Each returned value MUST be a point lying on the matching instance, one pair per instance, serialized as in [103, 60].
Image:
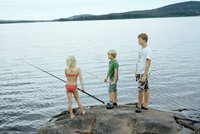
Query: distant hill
[79, 16]
[190, 8]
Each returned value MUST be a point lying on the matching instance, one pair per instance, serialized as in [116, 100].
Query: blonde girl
[72, 73]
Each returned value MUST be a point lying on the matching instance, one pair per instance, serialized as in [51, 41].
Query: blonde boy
[142, 72]
[112, 75]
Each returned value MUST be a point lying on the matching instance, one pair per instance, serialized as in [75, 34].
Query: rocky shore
[120, 120]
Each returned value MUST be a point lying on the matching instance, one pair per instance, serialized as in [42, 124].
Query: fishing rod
[65, 82]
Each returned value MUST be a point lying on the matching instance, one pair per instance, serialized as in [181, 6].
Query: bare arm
[136, 66]
[106, 79]
[81, 79]
[115, 75]
[107, 75]
[146, 70]
[148, 64]
[66, 72]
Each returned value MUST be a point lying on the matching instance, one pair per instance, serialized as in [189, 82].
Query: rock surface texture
[120, 120]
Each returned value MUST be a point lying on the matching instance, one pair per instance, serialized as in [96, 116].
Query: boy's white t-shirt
[143, 55]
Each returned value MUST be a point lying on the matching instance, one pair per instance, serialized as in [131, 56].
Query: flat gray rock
[120, 120]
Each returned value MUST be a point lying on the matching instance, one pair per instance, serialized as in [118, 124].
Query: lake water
[29, 97]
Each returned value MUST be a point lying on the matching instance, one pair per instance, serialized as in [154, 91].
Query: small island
[120, 120]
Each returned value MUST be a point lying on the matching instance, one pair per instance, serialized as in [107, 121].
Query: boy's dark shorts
[142, 86]
[112, 87]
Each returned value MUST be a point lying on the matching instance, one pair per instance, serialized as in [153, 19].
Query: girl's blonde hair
[71, 61]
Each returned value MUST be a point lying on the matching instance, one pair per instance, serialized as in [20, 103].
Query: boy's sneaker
[115, 103]
[138, 110]
[144, 108]
[109, 106]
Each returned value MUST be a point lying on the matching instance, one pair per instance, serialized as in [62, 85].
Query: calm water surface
[29, 97]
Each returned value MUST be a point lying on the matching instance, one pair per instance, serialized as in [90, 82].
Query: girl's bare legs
[69, 97]
[79, 102]
[140, 98]
[146, 99]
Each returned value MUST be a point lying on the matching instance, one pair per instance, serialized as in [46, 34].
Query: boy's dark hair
[143, 36]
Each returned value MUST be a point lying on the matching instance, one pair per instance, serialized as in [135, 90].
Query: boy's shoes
[138, 110]
[144, 108]
[115, 103]
[110, 105]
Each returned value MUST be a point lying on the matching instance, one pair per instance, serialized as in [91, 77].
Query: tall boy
[142, 72]
[112, 75]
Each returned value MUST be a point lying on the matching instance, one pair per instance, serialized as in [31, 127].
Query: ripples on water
[30, 97]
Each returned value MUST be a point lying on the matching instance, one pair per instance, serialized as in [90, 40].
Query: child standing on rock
[142, 72]
[72, 73]
[112, 76]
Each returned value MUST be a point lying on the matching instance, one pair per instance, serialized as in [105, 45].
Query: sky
[53, 9]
